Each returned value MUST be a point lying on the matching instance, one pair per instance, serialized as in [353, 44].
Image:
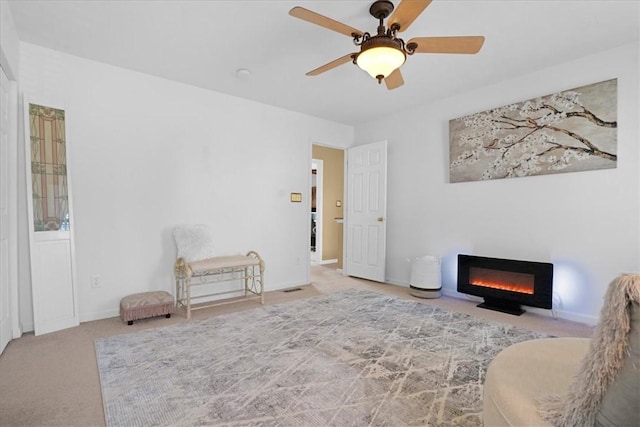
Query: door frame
[344, 196]
[319, 205]
[13, 315]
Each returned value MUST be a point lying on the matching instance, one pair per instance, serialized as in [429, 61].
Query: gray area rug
[353, 358]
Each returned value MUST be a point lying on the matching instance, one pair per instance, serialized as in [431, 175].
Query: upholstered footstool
[145, 305]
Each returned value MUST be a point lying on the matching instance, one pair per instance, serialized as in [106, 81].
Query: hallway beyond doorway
[327, 197]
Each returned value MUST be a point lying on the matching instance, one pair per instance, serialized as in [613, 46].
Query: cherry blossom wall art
[569, 131]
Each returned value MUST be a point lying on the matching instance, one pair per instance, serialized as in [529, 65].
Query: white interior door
[51, 222]
[6, 329]
[366, 219]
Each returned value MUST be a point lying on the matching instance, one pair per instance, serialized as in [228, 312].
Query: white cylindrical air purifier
[425, 277]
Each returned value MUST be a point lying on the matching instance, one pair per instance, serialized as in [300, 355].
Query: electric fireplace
[506, 284]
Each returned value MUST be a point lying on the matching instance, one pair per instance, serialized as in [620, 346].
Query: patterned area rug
[354, 358]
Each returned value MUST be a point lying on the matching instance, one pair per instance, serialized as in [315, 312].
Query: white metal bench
[197, 264]
[248, 268]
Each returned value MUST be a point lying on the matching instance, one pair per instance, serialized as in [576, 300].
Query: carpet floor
[353, 357]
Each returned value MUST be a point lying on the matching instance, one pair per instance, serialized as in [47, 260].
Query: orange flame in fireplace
[502, 286]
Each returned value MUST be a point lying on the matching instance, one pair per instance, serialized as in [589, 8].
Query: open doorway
[327, 217]
[316, 210]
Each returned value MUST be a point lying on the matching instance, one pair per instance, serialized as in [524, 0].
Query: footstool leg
[130, 322]
[168, 316]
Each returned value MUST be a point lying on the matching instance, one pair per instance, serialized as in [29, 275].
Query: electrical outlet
[96, 282]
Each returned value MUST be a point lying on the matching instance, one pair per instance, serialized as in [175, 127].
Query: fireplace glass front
[504, 280]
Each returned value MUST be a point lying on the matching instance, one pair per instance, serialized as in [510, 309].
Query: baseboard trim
[26, 327]
[396, 282]
[89, 317]
[560, 314]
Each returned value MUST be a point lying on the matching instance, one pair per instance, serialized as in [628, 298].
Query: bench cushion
[222, 262]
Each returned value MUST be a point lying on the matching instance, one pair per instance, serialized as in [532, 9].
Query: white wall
[586, 223]
[147, 154]
[9, 43]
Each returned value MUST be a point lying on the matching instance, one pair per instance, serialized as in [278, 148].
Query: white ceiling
[203, 43]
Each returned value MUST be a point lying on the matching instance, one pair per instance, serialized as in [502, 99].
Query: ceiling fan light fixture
[383, 53]
[380, 57]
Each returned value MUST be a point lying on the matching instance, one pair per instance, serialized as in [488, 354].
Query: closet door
[51, 223]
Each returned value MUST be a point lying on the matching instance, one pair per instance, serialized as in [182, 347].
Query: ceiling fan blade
[460, 44]
[394, 80]
[323, 21]
[331, 65]
[406, 12]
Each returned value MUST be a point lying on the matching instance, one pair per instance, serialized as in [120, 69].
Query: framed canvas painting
[569, 131]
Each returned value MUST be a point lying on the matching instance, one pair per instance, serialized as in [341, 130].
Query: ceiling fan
[382, 54]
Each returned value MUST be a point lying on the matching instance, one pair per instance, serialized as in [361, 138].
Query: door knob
[380, 219]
